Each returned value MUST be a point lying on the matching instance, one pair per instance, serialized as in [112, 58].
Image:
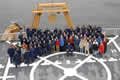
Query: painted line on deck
[6, 70]
[111, 40]
[1, 77]
[109, 74]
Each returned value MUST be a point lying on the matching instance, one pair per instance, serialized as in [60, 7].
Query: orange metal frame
[40, 10]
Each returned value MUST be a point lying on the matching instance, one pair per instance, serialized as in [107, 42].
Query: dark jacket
[11, 52]
[17, 59]
[27, 57]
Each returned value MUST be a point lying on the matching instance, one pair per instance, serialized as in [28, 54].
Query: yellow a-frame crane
[40, 10]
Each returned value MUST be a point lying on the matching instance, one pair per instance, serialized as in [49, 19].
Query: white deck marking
[113, 39]
[1, 77]
[114, 42]
[81, 77]
[22, 65]
[113, 50]
[63, 77]
[116, 45]
[66, 71]
[109, 75]
[1, 66]
[83, 62]
[68, 62]
[56, 65]
[46, 63]
[6, 70]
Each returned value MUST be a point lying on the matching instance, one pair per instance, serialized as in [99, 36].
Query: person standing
[49, 47]
[95, 48]
[101, 49]
[57, 45]
[44, 46]
[11, 52]
[53, 44]
[17, 59]
[90, 46]
[61, 43]
[81, 45]
[27, 57]
[87, 48]
[105, 45]
[40, 50]
[76, 42]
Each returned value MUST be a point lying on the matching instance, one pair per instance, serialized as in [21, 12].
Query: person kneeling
[69, 49]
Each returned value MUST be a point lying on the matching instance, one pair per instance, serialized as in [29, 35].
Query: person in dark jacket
[11, 52]
[95, 48]
[36, 51]
[21, 38]
[44, 46]
[49, 47]
[40, 50]
[76, 42]
[90, 46]
[27, 57]
[32, 50]
[69, 49]
[53, 45]
[17, 59]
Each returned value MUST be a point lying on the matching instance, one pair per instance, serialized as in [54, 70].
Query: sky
[81, 12]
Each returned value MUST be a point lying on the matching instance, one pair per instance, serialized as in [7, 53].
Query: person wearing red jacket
[57, 44]
[105, 45]
[101, 49]
[71, 41]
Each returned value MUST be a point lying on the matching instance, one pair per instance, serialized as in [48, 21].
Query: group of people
[87, 40]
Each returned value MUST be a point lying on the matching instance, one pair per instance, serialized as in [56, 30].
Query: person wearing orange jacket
[101, 49]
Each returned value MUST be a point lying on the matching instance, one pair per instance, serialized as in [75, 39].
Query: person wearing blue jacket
[62, 42]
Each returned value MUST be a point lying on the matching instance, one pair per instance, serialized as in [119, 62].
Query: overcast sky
[81, 11]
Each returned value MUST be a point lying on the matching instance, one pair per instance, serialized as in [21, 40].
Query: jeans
[81, 50]
[95, 52]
